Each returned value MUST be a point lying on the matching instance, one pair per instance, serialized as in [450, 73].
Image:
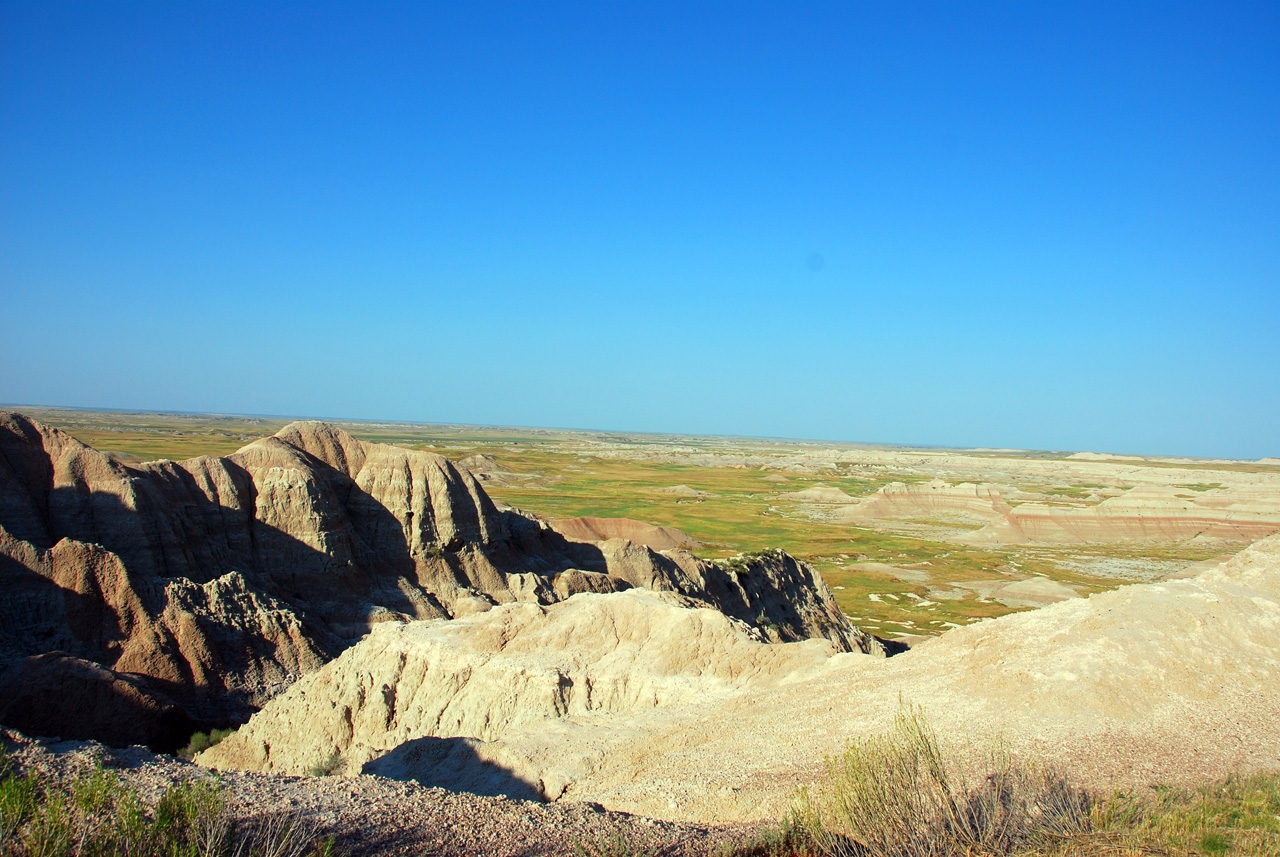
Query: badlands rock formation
[935, 499]
[626, 700]
[602, 529]
[411, 699]
[819, 494]
[1143, 514]
[193, 592]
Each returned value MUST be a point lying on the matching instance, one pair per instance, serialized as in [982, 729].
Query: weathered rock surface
[385, 705]
[602, 529]
[1166, 682]
[221, 580]
[692, 717]
[1143, 514]
[935, 499]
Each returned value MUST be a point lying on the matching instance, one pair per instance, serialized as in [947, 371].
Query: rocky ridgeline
[140, 603]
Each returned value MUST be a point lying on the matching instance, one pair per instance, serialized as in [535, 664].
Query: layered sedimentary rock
[602, 529]
[1143, 514]
[819, 494]
[212, 584]
[935, 499]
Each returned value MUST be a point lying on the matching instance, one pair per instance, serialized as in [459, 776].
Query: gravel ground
[370, 815]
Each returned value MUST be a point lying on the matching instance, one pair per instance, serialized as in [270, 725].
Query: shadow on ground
[452, 764]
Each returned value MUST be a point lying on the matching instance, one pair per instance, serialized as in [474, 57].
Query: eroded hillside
[140, 601]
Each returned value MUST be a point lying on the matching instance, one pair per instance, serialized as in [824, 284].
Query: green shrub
[202, 741]
[326, 766]
[616, 844]
[1235, 815]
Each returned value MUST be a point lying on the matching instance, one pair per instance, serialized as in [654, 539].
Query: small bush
[788, 839]
[202, 741]
[616, 844]
[326, 766]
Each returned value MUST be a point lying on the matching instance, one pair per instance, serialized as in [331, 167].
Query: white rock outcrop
[627, 700]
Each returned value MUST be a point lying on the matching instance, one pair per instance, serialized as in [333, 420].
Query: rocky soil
[371, 816]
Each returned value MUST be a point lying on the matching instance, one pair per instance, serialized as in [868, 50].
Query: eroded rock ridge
[137, 602]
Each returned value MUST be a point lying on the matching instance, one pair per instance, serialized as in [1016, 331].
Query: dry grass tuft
[896, 796]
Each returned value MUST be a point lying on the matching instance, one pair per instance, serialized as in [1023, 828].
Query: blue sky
[1049, 226]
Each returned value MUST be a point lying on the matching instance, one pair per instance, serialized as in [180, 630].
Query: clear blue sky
[1040, 225]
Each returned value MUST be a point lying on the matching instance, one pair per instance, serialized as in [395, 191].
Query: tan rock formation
[936, 499]
[601, 529]
[1143, 514]
[819, 494]
[685, 491]
[224, 579]
[1153, 682]
[515, 669]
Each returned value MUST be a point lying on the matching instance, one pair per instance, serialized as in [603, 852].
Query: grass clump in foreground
[896, 796]
[96, 815]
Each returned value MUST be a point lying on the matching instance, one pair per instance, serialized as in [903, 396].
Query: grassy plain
[741, 508]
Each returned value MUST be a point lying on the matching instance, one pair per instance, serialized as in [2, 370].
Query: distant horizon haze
[1023, 226]
[363, 420]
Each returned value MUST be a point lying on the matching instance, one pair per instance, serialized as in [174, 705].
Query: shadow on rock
[452, 764]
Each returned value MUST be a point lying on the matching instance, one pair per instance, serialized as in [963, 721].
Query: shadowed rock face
[214, 583]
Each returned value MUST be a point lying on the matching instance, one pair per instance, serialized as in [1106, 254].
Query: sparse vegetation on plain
[736, 509]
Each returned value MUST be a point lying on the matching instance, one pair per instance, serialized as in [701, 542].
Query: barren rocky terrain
[138, 602]
[623, 625]
[1169, 682]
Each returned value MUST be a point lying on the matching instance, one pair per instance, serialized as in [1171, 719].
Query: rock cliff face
[206, 587]
[602, 529]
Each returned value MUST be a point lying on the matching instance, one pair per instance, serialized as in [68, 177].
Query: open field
[899, 576]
